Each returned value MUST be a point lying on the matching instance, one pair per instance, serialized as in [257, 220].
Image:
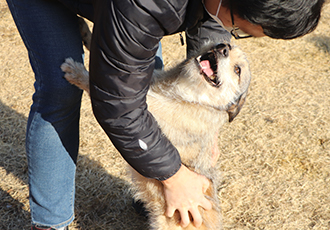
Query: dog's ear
[236, 107]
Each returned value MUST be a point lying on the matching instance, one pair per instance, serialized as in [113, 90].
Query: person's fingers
[185, 219]
[169, 211]
[179, 196]
[206, 184]
[206, 204]
[197, 218]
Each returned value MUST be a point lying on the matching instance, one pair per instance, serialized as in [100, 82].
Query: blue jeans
[50, 33]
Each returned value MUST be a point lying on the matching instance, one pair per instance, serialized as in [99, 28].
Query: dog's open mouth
[208, 63]
[208, 67]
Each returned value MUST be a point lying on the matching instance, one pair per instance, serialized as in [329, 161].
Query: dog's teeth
[212, 77]
[198, 59]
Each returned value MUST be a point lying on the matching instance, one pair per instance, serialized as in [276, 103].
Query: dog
[190, 103]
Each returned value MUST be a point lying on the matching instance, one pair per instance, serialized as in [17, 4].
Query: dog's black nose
[223, 49]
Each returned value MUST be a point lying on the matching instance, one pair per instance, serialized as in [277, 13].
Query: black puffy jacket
[126, 35]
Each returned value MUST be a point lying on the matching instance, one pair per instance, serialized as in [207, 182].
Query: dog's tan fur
[190, 112]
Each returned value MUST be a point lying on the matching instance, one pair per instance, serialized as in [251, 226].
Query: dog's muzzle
[208, 63]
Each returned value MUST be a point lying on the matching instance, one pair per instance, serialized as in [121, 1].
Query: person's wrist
[169, 181]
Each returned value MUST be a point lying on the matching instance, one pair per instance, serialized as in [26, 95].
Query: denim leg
[51, 33]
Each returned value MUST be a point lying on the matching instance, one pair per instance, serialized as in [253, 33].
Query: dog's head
[223, 78]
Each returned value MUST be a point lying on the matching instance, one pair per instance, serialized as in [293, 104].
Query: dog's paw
[71, 68]
[76, 74]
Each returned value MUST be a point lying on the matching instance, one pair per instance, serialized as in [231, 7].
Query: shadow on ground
[99, 205]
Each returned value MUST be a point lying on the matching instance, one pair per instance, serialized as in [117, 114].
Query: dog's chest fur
[189, 126]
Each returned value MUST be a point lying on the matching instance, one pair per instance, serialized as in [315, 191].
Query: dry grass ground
[275, 157]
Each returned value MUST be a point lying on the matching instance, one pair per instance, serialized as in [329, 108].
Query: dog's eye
[237, 70]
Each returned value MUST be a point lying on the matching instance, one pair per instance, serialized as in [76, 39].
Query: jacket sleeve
[125, 40]
[83, 8]
[207, 30]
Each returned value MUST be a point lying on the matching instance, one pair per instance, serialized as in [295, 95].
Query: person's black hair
[283, 19]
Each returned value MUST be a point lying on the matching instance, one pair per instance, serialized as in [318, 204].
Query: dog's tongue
[206, 68]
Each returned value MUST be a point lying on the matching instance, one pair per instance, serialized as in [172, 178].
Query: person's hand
[184, 191]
